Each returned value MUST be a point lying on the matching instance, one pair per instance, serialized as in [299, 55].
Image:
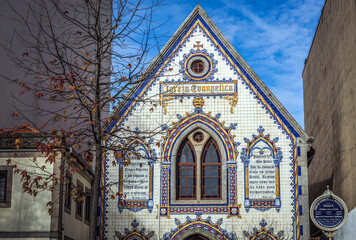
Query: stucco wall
[27, 213]
[329, 102]
[73, 227]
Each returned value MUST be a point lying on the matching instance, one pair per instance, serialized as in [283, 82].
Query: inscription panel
[262, 176]
[136, 177]
[261, 159]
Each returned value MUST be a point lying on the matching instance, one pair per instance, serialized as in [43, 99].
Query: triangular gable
[198, 16]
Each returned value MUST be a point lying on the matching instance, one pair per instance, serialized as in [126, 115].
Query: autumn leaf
[17, 143]
[117, 154]
[39, 95]
[50, 211]
[129, 65]
[25, 54]
[8, 161]
[15, 114]
[73, 169]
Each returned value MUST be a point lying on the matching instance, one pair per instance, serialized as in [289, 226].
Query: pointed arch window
[211, 171]
[199, 169]
[187, 167]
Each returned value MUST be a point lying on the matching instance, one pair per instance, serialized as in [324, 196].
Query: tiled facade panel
[238, 127]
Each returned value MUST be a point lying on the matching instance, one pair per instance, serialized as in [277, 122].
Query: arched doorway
[196, 237]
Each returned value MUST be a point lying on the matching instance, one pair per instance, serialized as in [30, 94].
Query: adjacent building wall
[329, 102]
[27, 215]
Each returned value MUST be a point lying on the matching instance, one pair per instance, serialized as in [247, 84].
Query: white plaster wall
[27, 213]
[72, 226]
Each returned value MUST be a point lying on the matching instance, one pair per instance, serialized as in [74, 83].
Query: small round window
[197, 66]
[198, 137]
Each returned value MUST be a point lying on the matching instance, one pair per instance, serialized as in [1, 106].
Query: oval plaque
[328, 212]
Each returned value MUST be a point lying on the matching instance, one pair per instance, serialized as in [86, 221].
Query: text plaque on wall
[136, 177]
[328, 212]
[262, 174]
[261, 159]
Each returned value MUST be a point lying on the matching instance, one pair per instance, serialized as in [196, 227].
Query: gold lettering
[230, 88]
[199, 89]
[216, 88]
[193, 88]
[186, 89]
[203, 88]
[179, 88]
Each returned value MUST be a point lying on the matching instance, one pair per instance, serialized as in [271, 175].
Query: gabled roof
[243, 68]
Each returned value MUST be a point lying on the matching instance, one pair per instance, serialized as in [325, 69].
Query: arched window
[199, 168]
[187, 167]
[211, 171]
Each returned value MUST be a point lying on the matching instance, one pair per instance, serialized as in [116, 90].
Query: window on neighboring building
[87, 205]
[67, 193]
[5, 186]
[79, 201]
[198, 168]
[3, 178]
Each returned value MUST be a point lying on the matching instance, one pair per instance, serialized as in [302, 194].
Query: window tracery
[199, 166]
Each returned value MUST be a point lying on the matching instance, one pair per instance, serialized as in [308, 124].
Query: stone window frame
[8, 187]
[189, 133]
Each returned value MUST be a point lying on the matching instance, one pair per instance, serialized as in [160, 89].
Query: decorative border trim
[129, 234]
[263, 232]
[198, 222]
[209, 58]
[198, 116]
[262, 204]
[136, 205]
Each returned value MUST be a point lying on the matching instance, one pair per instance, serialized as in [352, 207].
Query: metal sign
[328, 212]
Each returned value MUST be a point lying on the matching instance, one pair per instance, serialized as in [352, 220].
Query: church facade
[212, 153]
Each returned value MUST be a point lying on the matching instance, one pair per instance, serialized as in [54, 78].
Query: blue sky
[274, 37]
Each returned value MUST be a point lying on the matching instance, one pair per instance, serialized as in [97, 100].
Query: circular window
[198, 137]
[197, 66]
